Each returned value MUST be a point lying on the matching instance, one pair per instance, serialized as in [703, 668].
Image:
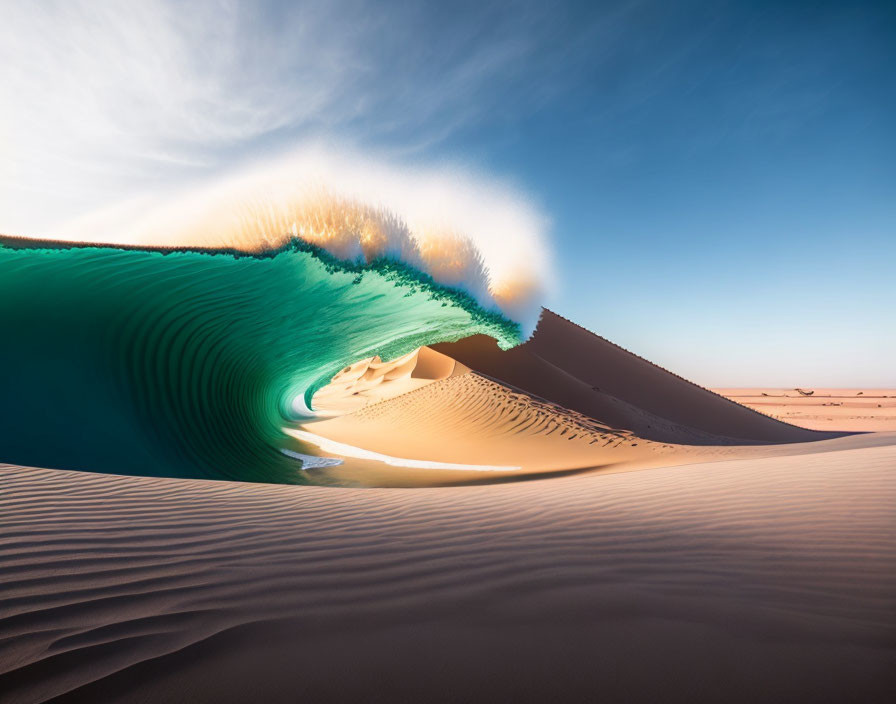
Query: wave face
[188, 363]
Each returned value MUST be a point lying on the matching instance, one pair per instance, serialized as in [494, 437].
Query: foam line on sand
[345, 450]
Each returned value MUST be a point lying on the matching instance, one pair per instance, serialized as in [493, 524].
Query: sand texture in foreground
[853, 410]
[767, 579]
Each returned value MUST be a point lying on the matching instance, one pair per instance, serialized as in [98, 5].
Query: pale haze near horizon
[720, 178]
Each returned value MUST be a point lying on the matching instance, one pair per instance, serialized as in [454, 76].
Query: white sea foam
[312, 462]
[345, 450]
[466, 230]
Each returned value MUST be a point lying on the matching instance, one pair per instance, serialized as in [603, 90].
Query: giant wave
[189, 362]
[177, 335]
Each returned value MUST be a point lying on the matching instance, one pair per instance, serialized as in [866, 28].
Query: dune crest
[372, 380]
[579, 370]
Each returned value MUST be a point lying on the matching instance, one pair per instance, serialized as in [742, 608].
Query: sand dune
[755, 580]
[471, 419]
[565, 400]
[372, 380]
[581, 371]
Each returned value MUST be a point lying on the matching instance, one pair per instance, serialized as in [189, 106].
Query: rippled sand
[764, 579]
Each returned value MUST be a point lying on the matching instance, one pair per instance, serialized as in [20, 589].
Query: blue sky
[720, 177]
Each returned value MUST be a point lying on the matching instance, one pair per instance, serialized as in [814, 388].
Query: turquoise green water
[188, 363]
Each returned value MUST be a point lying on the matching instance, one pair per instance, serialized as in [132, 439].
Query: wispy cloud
[102, 100]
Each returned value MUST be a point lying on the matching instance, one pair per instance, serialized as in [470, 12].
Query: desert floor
[762, 579]
[858, 410]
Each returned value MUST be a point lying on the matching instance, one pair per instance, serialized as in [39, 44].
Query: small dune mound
[372, 380]
[566, 399]
[470, 419]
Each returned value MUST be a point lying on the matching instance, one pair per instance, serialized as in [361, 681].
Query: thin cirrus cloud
[103, 101]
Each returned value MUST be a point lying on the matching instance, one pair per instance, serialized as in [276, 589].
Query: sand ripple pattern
[491, 408]
[755, 580]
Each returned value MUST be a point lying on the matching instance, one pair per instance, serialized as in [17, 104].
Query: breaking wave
[466, 231]
[188, 362]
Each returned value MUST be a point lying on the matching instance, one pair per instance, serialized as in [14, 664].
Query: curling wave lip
[467, 231]
[188, 363]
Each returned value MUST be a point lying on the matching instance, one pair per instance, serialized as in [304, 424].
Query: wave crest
[465, 231]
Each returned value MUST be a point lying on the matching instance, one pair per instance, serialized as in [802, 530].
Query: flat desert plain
[857, 410]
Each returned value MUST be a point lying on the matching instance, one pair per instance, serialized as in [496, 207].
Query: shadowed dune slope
[575, 368]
